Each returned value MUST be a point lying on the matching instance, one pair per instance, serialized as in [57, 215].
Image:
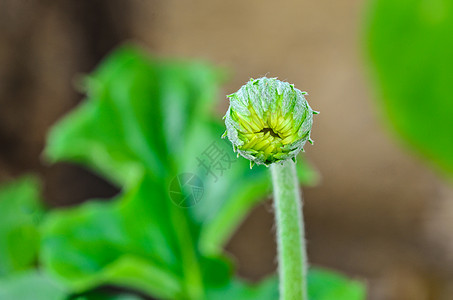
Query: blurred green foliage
[410, 43]
[144, 122]
[31, 285]
[21, 211]
[328, 285]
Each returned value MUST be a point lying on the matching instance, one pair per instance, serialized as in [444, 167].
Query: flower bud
[268, 121]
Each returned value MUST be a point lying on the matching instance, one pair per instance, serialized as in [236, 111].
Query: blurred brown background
[378, 213]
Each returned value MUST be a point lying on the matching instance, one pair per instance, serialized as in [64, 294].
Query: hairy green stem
[292, 264]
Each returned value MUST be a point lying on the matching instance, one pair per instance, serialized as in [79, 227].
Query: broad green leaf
[114, 243]
[328, 285]
[119, 131]
[138, 116]
[31, 285]
[146, 122]
[20, 213]
[410, 45]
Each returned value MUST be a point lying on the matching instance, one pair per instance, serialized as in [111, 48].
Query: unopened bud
[268, 121]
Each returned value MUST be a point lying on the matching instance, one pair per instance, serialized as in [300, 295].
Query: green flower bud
[268, 121]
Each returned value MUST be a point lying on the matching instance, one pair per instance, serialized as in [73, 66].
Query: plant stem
[192, 278]
[292, 265]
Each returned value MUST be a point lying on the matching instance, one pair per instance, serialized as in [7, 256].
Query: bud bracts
[268, 121]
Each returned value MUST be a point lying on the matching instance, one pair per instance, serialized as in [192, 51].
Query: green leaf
[31, 285]
[20, 213]
[328, 285]
[410, 46]
[240, 290]
[146, 122]
[138, 273]
[322, 285]
[113, 243]
[138, 116]
[99, 295]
